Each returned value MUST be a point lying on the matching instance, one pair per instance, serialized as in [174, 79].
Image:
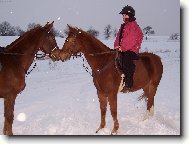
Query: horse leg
[9, 115]
[150, 92]
[113, 108]
[103, 105]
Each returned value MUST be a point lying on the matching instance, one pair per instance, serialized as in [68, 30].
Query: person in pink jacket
[128, 42]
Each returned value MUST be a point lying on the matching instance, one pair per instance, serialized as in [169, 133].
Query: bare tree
[175, 36]
[6, 29]
[32, 25]
[19, 31]
[115, 32]
[148, 31]
[93, 32]
[107, 31]
[66, 31]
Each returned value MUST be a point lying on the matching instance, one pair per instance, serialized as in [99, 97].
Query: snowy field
[60, 98]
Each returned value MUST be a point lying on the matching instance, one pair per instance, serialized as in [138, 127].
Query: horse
[15, 60]
[107, 77]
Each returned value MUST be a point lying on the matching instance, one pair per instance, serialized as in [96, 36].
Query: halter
[35, 65]
[21, 54]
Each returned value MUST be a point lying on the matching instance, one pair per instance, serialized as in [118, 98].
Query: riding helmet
[128, 10]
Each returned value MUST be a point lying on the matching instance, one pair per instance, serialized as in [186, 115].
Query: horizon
[164, 19]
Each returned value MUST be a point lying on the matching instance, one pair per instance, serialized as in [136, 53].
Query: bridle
[51, 52]
[35, 65]
[91, 54]
[21, 54]
[4, 52]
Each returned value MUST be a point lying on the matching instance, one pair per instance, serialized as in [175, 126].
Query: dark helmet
[128, 10]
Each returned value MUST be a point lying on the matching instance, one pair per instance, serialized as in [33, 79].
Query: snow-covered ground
[60, 98]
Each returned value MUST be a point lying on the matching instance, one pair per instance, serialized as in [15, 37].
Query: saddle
[119, 61]
[126, 65]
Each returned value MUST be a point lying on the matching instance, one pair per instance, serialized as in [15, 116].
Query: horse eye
[67, 40]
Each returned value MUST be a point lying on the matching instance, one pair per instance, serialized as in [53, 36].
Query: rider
[128, 42]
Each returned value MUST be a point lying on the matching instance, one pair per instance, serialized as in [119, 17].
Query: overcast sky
[162, 15]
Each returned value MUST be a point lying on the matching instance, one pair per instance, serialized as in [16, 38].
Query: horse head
[72, 45]
[49, 43]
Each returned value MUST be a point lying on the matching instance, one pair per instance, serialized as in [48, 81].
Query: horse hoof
[114, 132]
[149, 114]
[98, 129]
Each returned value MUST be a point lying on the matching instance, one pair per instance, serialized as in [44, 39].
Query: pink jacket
[132, 37]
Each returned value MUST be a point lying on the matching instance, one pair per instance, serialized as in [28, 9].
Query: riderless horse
[15, 61]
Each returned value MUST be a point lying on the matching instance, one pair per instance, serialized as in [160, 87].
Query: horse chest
[11, 78]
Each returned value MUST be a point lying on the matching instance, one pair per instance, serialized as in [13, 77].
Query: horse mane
[9, 47]
[98, 43]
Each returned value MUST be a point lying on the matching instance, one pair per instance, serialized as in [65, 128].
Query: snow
[60, 98]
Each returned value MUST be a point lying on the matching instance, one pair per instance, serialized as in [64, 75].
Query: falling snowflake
[58, 18]
[21, 117]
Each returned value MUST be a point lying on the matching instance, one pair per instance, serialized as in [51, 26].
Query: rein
[8, 53]
[93, 54]
[102, 53]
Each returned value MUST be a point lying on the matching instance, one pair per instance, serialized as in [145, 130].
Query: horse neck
[26, 48]
[96, 47]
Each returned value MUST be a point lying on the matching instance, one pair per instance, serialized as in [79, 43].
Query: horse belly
[141, 76]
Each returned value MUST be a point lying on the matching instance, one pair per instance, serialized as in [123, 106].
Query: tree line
[6, 29]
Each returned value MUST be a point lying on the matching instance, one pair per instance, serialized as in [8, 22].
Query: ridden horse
[15, 60]
[107, 77]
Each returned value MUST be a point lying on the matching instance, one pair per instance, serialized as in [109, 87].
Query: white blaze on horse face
[122, 84]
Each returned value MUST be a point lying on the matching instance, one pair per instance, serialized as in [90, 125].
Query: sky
[162, 15]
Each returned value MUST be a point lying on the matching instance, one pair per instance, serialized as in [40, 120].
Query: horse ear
[51, 25]
[71, 28]
[48, 26]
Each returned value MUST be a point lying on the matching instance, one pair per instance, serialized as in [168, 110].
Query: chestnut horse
[15, 60]
[107, 77]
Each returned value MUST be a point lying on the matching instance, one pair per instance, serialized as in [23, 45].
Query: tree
[32, 25]
[148, 31]
[6, 29]
[66, 32]
[175, 36]
[93, 32]
[19, 31]
[57, 33]
[107, 31]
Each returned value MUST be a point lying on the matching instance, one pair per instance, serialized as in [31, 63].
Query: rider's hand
[118, 48]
